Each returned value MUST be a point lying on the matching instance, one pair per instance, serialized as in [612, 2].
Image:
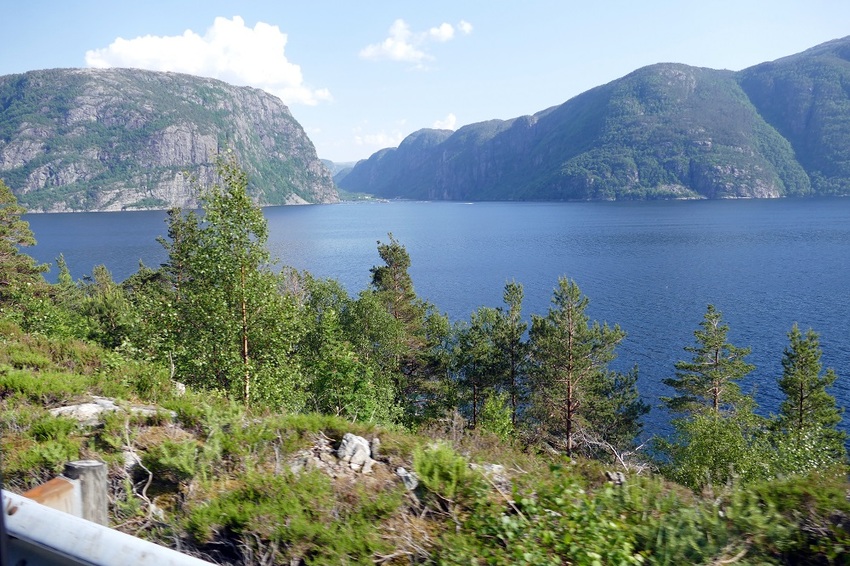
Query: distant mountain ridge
[664, 131]
[113, 139]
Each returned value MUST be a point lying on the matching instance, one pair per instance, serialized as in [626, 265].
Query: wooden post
[93, 489]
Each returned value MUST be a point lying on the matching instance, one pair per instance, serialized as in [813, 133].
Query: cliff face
[113, 139]
[663, 131]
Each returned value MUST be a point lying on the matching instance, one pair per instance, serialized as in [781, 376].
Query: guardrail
[68, 526]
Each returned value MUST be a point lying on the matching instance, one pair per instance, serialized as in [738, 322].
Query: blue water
[651, 267]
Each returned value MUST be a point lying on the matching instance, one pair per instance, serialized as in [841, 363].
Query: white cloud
[404, 45]
[378, 140]
[448, 124]
[442, 33]
[399, 46]
[229, 50]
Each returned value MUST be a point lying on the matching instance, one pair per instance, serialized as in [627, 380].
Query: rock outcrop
[663, 131]
[113, 139]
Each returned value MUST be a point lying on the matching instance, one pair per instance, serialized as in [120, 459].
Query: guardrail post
[94, 489]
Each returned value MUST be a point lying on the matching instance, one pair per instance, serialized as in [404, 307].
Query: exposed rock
[411, 482]
[113, 139]
[375, 447]
[617, 478]
[355, 451]
[496, 474]
[179, 388]
[668, 130]
[89, 414]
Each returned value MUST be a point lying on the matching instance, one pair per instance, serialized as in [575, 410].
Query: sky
[360, 76]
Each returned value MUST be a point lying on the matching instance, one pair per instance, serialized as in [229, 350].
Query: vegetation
[140, 136]
[518, 443]
[662, 132]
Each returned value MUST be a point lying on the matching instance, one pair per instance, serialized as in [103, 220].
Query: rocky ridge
[115, 139]
[663, 131]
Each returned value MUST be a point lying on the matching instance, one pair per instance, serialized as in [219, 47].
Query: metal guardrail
[42, 535]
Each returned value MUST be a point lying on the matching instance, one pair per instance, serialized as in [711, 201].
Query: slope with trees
[663, 131]
[280, 366]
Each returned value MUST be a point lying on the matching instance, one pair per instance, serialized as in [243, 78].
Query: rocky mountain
[663, 131]
[113, 139]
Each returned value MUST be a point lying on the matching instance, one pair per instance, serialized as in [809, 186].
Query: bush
[444, 473]
[295, 519]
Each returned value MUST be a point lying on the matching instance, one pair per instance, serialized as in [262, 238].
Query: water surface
[651, 267]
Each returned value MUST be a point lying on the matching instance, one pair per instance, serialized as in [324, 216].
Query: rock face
[113, 139]
[663, 131]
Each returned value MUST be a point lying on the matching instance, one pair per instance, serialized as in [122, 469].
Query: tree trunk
[246, 392]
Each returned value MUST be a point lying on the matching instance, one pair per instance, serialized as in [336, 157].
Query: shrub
[295, 519]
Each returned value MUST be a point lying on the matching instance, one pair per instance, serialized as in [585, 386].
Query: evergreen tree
[394, 285]
[490, 358]
[106, 308]
[808, 416]
[475, 362]
[20, 275]
[512, 348]
[709, 381]
[339, 381]
[717, 435]
[415, 344]
[614, 412]
[570, 375]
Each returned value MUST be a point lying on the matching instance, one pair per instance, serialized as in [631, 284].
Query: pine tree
[512, 348]
[569, 375]
[20, 275]
[717, 435]
[808, 415]
[416, 340]
[475, 361]
[709, 381]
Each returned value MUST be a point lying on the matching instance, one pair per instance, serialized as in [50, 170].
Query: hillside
[663, 131]
[113, 139]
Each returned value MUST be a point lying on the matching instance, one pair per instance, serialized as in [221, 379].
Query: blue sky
[359, 76]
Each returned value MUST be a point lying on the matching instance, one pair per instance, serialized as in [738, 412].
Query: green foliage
[559, 522]
[339, 381]
[708, 382]
[139, 107]
[443, 472]
[413, 343]
[172, 461]
[806, 434]
[717, 436]
[227, 326]
[475, 360]
[106, 308]
[52, 428]
[490, 357]
[317, 529]
[710, 449]
[496, 416]
[570, 381]
[20, 275]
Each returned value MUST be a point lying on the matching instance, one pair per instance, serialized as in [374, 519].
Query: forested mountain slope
[110, 139]
[663, 131]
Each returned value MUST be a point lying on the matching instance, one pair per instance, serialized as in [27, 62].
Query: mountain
[113, 139]
[663, 131]
[336, 167]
